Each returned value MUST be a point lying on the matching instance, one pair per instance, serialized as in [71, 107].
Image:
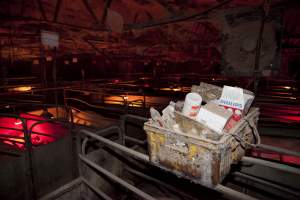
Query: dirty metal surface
[201, 160]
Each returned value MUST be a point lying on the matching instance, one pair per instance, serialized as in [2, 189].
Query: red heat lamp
[10, 126]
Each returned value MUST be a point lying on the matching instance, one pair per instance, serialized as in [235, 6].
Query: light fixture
[66, 62]
[48, 58]
[74, 60]
[21, 89]
[35, 62]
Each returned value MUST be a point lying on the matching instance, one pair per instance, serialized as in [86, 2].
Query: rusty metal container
[201, 160]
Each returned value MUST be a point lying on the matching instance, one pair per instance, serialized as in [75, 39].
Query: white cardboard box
[237, 98]
[214, 117]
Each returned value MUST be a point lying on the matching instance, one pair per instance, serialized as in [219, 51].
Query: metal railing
[83, 159]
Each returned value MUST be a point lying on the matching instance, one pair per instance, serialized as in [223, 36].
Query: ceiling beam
[91, 12]
[8, 19]
[42, 11]
[177, 19]
[166, 6]
[102, 52]
[105, 8]
[57, 9]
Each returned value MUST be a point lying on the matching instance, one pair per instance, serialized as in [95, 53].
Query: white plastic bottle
[192, 105]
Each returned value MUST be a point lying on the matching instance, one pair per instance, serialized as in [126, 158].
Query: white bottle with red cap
[192, 105]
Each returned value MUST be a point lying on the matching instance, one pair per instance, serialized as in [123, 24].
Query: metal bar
[28, 145]
[95, 106]
[108, 131]
[8, 128]
[57, 9]
[116, 179]
[115, 145]
[3, 66]
[43, 68]
[233, 194]
[154, 180]
[267, 183]
[63, 189]
[124, 119]
[44, 134]
[278, 150]
[131, 139]
[273, 165]
[99, 192]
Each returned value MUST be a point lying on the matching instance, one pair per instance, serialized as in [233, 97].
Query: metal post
[29, 158]
[257, 70]
[144, 100]
[123, 120]
[54, 76]
[3, 68]
[43, 67]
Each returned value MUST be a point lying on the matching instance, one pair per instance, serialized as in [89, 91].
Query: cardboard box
[214, 117]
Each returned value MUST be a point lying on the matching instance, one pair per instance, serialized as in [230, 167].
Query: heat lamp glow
[14, 127]
[21, 89]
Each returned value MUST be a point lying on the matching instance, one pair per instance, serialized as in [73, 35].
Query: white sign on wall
[50, 39]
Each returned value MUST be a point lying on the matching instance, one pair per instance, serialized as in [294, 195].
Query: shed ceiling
[165, 28]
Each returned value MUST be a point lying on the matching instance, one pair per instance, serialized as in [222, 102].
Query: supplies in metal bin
[156, 118]
[167, 120]
[223, 111]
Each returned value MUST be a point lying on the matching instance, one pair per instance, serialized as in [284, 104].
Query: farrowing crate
[198, 159]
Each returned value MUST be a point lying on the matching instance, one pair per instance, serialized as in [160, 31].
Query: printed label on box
[232, 97]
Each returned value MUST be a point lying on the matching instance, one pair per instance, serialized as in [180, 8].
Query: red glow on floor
[276, 156]
[54, 130]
